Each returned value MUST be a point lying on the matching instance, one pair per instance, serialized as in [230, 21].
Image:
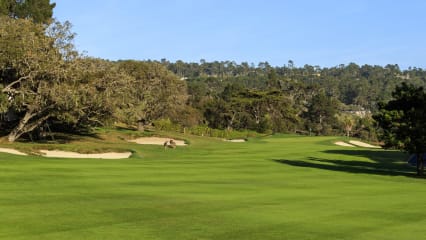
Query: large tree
[31, 68]
[41, 78]
[321, 113]
[403, 121]
[155, 93]
[98, 90]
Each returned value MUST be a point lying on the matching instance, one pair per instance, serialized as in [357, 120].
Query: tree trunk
[13, 135]
[141, 126]
[18, 130]
[26, 126]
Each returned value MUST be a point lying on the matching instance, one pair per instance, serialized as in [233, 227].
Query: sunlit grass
[278, 187]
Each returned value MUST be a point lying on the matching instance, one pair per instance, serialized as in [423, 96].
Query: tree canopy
[402, 121]
[32, 73]
[39, 11]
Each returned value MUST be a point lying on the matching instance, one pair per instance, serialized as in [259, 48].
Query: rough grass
[279, 187]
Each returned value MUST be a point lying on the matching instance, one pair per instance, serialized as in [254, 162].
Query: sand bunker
[235, 140]
[362, 144]
[156, 141]
[12, 151]
[344, 144]
[63, 154]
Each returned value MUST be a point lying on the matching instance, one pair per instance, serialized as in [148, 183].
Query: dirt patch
[64, 154]
[363, 144]
[343, 144]
[12, 151]
[157, 141]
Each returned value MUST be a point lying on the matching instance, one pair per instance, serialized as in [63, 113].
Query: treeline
[308, 99]
[351, 84]
[45, 84]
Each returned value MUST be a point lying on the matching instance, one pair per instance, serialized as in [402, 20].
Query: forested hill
[351, 84]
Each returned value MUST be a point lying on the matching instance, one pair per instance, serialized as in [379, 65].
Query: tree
[347, 121]
[99, 91]
[156, 93]
[42, 78]
[321, 113]
[40, 11]
[31, 68]
[402, 121]
[4, 7]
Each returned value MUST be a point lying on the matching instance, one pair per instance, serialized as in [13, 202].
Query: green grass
[278, 187]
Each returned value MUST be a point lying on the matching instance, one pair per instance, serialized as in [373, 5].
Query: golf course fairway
[276, 187]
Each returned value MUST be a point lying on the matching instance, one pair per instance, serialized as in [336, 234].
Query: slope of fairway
[279, 187]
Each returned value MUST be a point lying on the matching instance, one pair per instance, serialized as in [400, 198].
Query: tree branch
[9, 89]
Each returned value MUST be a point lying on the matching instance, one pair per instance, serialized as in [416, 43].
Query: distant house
[358, 111]
[404, 77]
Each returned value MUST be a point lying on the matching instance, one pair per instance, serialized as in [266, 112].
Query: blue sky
[325, 33]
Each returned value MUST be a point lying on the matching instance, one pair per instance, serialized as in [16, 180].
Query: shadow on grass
[388, 163]
[125, 129]
[59, 138]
